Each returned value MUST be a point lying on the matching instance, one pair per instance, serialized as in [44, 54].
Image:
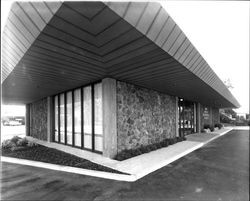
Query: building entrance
[187, 117]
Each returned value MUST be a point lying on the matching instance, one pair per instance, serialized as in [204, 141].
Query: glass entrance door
[187, 117]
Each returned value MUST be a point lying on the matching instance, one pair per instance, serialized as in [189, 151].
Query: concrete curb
[219, 135]
[108, 175]
[94, 173]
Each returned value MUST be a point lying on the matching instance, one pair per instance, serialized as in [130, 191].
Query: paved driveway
[218, 171]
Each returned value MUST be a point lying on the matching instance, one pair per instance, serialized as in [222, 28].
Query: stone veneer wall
[215, 115]
[38, 119]
[143, 116]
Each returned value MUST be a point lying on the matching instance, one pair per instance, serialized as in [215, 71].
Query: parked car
[12, 123]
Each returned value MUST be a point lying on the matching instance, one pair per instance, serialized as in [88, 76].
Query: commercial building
[106, 76]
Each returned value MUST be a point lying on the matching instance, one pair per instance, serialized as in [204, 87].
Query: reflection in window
[98, 116]
[69, 117]
[77, 117]
[62, 114]
[87, 113]
[56, 118]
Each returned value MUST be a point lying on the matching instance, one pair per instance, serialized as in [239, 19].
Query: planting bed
[129, 153]
[50, 155]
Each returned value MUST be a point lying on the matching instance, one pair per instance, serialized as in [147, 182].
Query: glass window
[98, 116]
[87, 116]
[56, 118]
[62, 116]
[77, 117]
[82, 107]
[69, 118]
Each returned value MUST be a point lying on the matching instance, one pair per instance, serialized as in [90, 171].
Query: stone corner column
[50, 123]
[27, 119]
[109, 117]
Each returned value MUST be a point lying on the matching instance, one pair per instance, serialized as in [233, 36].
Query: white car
[14, 123]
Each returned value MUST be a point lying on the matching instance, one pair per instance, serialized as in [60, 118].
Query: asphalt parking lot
[218, 171]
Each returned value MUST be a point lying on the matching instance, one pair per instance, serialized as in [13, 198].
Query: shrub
[137, 152]
[126, 154]
[206, 126]
[22, 142]
[171, 141]
[32, 144]
[164, 143]
[175, 140]
[146, 149]
[16, 148]
[8, 144]
[218, 125]
[211, 128]
[180, 139]
[15, 139]
[119, 157]
[158, 145]
[152, 147]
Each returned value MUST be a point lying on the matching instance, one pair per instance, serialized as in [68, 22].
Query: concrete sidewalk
[146, 163]
[138, 166]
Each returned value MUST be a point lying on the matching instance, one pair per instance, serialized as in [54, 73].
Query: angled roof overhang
[50, 47]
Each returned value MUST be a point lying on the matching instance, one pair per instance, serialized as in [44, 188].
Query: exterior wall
[209, 115]
[216, 115]
[143, 116]
[38, 119]
[27, 120]
[50, 119]
[205, 115]
[198, 118]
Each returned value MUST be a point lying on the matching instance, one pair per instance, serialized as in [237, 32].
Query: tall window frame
[60, 124]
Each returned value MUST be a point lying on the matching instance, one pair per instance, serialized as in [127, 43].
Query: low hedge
[218, 125]
[17, 143]
[129, 153]
[210, 127]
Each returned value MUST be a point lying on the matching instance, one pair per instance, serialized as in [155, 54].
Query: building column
[50, 119]
[198, 118]
[176, 117]
[109, 117]
[27, 119]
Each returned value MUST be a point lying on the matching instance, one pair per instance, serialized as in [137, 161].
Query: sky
[220, 32]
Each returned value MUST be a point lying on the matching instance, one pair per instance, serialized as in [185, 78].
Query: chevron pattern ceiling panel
[50, 47]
